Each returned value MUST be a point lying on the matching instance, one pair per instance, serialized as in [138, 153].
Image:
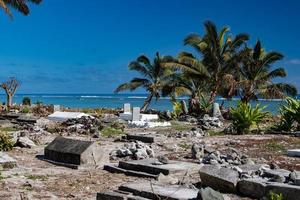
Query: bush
[26, 101]
[290, 115]
[25, 110]
[274, 196]
[205, 105]
[5, 143]
[244, 116]
[177, 109]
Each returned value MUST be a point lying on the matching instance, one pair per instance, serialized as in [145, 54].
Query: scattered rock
[209, 194]
[163, 159]
[6, 161]
[136, 150]
[25, 142]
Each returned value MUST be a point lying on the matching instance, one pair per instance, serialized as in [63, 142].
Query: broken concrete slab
[150, 166]
[63, 116]
[118, 195]
[115, 169]
[277, 172]
[294, 152]
[160, 191]
[6, 161]
[218, 178]
[254, 188]
[27, 119]
[75, 152]
[143, 137]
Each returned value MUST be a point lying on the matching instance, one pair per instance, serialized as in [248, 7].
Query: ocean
[117, 101]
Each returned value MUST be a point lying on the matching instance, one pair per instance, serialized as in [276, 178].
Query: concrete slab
[143, 137]
[254, 188]
[117, 195]
[290, 192]
[149, 166]
[115, 169]
[294, 152]
[63, 116]
[160, 191]
[75, 152]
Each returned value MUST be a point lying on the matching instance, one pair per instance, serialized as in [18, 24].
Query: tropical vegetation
[221, 64]
[19, 5]
[244, 116]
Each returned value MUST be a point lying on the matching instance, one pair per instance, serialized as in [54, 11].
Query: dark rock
[209, 194]
[254, 188]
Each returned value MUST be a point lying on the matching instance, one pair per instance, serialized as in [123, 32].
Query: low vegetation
[5, 142]
[244, 116]
[275, 146]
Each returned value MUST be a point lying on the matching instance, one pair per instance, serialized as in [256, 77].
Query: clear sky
[73, 46]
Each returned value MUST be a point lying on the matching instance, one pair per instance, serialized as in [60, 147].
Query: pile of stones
[208, 122]
[210, 156]
[83, 125]
[135, 150]
[194, 132]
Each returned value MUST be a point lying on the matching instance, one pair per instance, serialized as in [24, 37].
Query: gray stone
[136, 114]
[163, 159]
[117, 195]
[295, 177]
[6, 161]
[216, 111]
[254, 188]
[221, 179]
[167, 179]
[197, 151]
[209, 194]
[276, 173]
[297, 133]
[27, 119]
[294, 152]
[75, 152]
[160, 191]
[184, 107]
[25, 142]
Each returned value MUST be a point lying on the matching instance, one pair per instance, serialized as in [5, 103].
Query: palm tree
[20, 5]
[255, 76]
[219, 52]
[154, 77]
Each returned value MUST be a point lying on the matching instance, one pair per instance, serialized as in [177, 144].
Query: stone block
[294, 152]
[218, 178]
[147, 138]
[75, 152]
[254, 188]
[290, 192]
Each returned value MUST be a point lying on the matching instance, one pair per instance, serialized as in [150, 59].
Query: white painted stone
[136, 114]
[63, 116]
[294, 152]
[127, 108]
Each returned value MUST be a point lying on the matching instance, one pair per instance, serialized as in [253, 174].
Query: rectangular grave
[74, 152]
[294, 152]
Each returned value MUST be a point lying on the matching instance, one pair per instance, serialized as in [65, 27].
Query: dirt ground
[37, 179]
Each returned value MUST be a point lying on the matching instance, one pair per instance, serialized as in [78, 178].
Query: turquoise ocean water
[117, 100]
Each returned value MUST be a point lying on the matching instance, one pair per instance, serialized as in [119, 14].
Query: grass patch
[214, 133]
[275, 146]
[8, 129]
[180, 127]
[109, 131]
[185, 146]
[37, 177]
[1, 177]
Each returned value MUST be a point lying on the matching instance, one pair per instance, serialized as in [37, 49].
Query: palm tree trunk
[147, 103]
[9, 101]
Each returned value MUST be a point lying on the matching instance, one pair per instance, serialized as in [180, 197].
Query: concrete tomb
[64, 116]
[70, 152]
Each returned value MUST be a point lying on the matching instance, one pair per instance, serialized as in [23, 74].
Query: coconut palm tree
[255, 77]
[219, 52]
[20, 5]
[155, 76]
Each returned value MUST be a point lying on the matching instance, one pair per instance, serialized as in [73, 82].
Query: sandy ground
[37, 179]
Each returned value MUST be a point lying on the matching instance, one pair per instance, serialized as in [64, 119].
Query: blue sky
[72, 46]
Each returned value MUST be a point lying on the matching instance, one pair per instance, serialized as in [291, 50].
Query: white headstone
[136, 114]
[56, 108]
[127, 108]
[216, 111]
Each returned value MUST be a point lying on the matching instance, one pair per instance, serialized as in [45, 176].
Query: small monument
[136, 114]
[127, 108]
[70, 152]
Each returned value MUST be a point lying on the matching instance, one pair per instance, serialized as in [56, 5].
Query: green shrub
[244, 116]
[274, 196]
[5, 142]
[26, 101]
[25, 110]
[290, 115]
[109, 131]
[177, 109]
[205, 105]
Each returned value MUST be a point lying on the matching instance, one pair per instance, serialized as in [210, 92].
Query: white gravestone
[127, 108]
[136, 114]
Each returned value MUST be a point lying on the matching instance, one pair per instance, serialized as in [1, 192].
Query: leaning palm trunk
[147, 103]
